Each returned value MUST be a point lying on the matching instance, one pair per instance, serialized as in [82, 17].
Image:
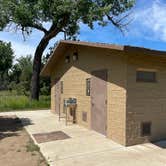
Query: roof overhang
[65, 44]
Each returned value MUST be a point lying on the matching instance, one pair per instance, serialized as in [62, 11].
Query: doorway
[99, 101]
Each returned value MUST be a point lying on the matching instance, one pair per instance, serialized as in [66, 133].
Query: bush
[22, 89]
[45, 90]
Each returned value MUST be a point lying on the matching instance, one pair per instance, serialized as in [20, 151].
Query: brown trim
[61, 84]
[88, 80]
[142, 78]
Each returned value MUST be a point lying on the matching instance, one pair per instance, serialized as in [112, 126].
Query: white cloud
[22, 49]
[152, 19]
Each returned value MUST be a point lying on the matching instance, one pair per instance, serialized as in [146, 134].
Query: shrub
[45, 90]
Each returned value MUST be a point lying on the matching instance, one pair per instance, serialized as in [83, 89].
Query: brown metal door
[99, 101]
[57, 96]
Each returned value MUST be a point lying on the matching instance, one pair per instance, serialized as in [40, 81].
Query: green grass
[31, 147]
[10, 101]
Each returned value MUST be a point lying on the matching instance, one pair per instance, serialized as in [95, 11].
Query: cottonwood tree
[62, 16]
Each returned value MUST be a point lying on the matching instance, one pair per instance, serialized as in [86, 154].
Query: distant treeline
[17, 76]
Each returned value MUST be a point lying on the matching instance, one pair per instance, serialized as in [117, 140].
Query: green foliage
[45, 89]
[22, 88]
[15, 73]
[10, 101]
[6, 57]
[4, 16]
[64, 15]
[20, 75]
[25, 65]
[31, 147]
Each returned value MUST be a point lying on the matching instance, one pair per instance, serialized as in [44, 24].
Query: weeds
[11, 102]
[31, 147]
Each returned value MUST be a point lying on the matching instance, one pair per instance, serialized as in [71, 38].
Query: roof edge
[126, 48]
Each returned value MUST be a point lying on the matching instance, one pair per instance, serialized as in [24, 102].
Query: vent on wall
[75, 56]
[146, 128]
[67, 59]
[84, 116]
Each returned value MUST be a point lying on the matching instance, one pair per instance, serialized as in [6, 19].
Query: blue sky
[147, 29]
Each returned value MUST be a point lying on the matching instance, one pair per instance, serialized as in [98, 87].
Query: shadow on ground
[161, 144]
[9, 125]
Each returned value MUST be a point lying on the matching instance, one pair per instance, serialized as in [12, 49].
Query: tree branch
[118, 23]
[39, 27]
[33, 25]
[115, 23]
[53, 31]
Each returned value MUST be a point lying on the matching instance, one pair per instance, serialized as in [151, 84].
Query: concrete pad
[87, 147]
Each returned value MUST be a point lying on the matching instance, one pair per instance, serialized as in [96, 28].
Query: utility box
[72, 106]
[72, 101]
[66, 103]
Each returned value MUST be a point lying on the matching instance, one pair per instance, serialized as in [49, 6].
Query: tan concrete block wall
[145, 101]
[74, 77]
[52, 96]
[117, 101]
[74, 86]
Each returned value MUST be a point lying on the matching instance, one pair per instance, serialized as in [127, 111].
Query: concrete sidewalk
[86, 147]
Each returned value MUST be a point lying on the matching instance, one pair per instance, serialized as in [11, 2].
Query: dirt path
[16, 147]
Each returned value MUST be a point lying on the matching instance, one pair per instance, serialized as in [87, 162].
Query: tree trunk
[35, 81]
[37, 61]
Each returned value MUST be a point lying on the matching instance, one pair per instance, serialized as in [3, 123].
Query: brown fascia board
[145, 51]
[90, 44]
[60, 48]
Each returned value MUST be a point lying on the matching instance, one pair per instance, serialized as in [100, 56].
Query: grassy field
[10, 101]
